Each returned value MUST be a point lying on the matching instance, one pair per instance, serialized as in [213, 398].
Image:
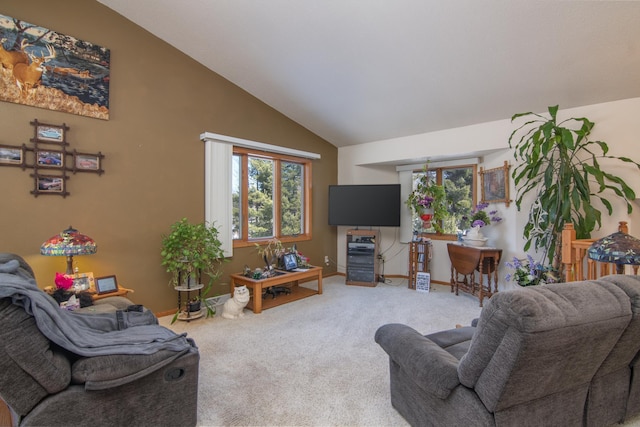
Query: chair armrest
[103, 372]
[432, 368]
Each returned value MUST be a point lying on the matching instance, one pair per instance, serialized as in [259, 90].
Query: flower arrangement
[429, 196]
[63, 281]
[530, 273]
[480, 217]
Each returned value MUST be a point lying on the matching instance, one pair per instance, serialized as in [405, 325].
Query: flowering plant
[429, 195]
[63, 281]
[530, 273]
[480, 217]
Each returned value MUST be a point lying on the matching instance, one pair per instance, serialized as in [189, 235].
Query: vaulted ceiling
[356, 71]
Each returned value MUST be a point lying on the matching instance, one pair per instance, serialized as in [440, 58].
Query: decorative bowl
[475, 242]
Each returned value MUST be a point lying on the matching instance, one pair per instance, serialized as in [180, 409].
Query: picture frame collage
[50, 159]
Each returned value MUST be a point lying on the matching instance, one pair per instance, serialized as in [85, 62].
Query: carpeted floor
[314, 362]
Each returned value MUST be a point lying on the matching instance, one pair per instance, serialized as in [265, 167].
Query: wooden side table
[465, 261]
[121, 292]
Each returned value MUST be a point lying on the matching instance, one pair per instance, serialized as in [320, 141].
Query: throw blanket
[85, 334]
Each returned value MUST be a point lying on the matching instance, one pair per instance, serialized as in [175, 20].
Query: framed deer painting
[73, 74]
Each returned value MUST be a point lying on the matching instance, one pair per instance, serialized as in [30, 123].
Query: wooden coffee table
[289, 278]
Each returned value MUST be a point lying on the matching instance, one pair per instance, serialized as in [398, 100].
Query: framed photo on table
[494, 185]
[82, 281]
[106, 284]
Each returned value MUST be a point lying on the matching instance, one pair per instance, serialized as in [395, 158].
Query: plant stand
[186, 290]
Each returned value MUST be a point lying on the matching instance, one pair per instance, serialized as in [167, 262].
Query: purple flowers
[426, 201]
[480, 217]
[530, 273]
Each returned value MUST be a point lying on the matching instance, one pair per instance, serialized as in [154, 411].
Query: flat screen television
[365, 205]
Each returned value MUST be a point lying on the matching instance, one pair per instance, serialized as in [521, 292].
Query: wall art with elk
[42, 68]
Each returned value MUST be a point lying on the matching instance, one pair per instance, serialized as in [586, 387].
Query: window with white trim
[460, 185]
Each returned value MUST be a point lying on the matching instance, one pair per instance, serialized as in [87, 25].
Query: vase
[426, 215]
[475, 233]
[475, 237]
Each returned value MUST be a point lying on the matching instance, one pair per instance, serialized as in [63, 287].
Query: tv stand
[362, 258]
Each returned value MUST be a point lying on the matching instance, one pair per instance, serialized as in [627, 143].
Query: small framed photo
[11, 155]
[106, 284]
[82, 281]
[494, 185]
[50, 133]
[49, 158]
[86, 162]
[50, 184]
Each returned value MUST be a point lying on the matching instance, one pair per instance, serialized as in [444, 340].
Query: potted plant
[530, 272]
[559, 167]
[189, 252]
[429, 201]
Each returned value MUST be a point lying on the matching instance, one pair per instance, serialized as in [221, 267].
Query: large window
[459, 183]
[271, 197]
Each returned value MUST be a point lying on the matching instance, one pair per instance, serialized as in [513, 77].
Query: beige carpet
[314, 362]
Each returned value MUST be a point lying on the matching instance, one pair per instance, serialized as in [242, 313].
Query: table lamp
[618, 248]
[69, 243]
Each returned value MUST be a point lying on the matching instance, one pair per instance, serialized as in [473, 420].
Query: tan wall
[160, 102]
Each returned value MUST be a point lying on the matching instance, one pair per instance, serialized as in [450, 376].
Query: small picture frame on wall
[82, 281]
[50, 133]
[106, 284]
[494, 185]
[86, 162]
[50, 158]
[11, 155]
[50, 184]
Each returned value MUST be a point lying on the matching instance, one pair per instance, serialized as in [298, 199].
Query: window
[460, 185]
[271, 197]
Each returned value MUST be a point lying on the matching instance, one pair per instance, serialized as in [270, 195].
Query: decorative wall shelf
[50, 159]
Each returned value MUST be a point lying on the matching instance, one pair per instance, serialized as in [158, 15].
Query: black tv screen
[365, 205]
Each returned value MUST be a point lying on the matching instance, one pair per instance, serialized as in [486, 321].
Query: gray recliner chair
[530, 361]
[613, 394]
[44, 383]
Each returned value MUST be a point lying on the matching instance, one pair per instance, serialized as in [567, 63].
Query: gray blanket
[85, 334]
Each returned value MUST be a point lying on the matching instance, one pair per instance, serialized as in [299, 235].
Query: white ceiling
[356, 71]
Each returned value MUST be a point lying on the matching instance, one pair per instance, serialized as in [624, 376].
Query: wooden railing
[577, 266]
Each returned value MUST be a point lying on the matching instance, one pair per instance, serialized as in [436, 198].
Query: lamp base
[69, 265]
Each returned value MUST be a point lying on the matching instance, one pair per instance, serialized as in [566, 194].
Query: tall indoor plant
[429, 201]
[191, 251]
[559, 167]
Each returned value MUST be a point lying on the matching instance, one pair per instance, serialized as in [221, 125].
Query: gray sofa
[554, 355]
[96, 367]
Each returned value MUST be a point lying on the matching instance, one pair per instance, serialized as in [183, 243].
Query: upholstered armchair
[149, 379]
[536, 357]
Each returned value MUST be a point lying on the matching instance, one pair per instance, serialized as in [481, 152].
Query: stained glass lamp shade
[69, 243]
[618, 248]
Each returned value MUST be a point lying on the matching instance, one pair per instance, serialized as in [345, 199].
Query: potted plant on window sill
[189, 252]
[429, 201]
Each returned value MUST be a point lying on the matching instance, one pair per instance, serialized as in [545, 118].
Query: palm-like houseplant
[429, 201]
[191, 251]
[559, 167]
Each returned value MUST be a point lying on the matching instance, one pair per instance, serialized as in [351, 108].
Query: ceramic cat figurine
[233, 307]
